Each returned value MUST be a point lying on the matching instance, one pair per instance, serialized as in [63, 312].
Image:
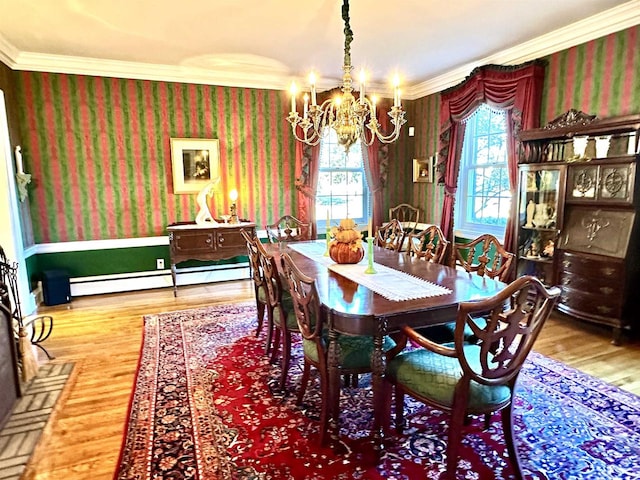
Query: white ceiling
[432, 44]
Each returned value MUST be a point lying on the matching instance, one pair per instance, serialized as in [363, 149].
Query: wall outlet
[160, 263]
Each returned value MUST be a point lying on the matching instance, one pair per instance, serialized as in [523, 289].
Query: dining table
[404, 290]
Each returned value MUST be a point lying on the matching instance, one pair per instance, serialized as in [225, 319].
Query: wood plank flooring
[102, 335]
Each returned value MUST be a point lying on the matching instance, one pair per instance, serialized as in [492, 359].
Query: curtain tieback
[450, 191]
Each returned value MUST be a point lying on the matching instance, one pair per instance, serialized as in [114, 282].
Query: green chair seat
[445, 333]
[262, 294]
[287, 303]
[355, 352]
[435, 376]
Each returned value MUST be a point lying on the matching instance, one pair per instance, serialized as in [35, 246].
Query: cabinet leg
[617, 336]
[173, 279]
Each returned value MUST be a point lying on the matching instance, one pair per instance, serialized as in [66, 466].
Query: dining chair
[288, 229]
[469, 379]
[253, 252]
[390, 235]
[408, 216]
[281, 317]
[354, 351]
[484, 255]
[429, 244]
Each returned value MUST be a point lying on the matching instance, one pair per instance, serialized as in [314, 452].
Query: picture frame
[423, 169]
[195, 162]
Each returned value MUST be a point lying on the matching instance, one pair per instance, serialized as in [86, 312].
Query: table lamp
[233, 195]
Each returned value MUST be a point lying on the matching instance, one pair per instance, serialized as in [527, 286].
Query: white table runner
[390, 283]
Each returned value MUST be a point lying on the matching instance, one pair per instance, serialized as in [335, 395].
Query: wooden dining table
[353, 309]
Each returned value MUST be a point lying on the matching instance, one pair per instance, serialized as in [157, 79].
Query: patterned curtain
[375, 167]
[518, 90]
[307, 169]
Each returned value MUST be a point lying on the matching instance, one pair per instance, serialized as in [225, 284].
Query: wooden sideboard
[189, 241]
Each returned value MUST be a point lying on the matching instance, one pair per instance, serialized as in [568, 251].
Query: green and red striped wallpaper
[599, 77]
[99, 152]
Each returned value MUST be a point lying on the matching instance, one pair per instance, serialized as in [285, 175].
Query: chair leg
[324, 408]
[286, 359]
[260, 307]
[454, 439]
[303, 382]
[487, 421]
[270, 328]
[399, 394]
[509, 434]
[275, 345]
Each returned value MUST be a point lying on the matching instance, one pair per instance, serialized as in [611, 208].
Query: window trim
[462, 227]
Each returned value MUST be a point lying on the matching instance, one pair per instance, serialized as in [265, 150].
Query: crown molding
[604, 23]
[8, 53]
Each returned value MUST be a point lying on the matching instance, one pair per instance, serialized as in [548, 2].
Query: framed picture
[195, 162]
[423, 169]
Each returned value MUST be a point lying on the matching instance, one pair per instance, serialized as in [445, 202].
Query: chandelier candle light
[350, 118]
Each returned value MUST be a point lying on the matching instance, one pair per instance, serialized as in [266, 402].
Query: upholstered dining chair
[288, 229]
[484, 255]
[429, 244]
[470, 379]
[355, 351]
[390, 235]
[253, 252]
[282, 318]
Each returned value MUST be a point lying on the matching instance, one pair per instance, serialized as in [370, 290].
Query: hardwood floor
[102, 335]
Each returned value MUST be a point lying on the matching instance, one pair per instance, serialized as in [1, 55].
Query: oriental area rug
[203, 407]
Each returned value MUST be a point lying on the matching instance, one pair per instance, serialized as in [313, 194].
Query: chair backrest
[429, 244]
[390, 235]
[253, 252]
[484, 255]
[306, 303]
[288, 229]
[272, 283]
[514, 318]
[406, 214]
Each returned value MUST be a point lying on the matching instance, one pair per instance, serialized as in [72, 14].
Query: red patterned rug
[202, 408]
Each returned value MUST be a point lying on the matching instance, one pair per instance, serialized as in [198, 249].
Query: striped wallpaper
[99, 148]
[99, 152]
[599, 77]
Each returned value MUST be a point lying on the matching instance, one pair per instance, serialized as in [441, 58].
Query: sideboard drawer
[596, 285]
[591, 267]
[606, 307]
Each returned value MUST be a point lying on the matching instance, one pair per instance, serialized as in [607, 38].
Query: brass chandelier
[351, 119]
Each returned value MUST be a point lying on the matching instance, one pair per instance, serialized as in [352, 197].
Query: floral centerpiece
[346, 245]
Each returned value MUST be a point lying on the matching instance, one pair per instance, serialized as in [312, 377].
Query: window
[483, 198]
[342, 185]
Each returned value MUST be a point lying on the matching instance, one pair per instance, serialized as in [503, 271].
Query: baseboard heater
[125, 282]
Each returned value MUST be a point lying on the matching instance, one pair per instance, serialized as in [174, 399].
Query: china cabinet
[577, 223]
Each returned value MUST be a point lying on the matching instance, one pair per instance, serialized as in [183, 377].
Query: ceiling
[431, 44]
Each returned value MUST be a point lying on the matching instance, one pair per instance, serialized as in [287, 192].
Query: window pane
[342, 187]
[483, 198]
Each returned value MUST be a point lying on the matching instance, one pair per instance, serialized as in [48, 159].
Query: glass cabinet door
[541, 188]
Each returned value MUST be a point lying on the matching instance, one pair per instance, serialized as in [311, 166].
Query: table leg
[378, 367]
[173, 278]
[333, 400]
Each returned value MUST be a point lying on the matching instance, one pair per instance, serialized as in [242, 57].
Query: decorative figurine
[204, 215]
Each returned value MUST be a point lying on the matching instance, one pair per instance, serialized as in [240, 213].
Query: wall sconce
[233, 196]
